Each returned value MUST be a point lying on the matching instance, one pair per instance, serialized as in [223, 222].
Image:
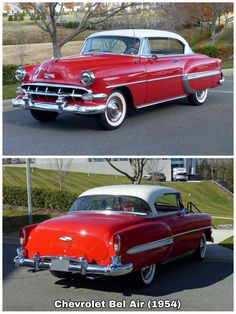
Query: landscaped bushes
[9, 74]
[222, 52]
[45, 199]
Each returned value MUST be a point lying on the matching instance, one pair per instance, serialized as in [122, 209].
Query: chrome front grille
[70, 92]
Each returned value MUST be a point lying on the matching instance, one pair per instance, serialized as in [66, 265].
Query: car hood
[68, 70]
[78, 234]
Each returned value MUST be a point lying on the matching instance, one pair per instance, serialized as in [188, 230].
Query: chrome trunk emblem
[49, 75]
[65, 238]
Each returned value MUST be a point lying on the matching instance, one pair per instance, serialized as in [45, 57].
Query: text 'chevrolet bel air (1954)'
[116, 69]
[116, 230]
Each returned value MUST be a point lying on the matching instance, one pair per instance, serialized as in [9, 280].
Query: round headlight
[20, 74]
[87, 78]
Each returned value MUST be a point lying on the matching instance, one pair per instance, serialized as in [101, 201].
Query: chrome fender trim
[198, 75]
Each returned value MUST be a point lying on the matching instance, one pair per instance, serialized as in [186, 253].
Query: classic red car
[116, 230]
[116, 69]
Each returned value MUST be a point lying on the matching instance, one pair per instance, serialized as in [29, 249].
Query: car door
[164, 69]
[171, 211]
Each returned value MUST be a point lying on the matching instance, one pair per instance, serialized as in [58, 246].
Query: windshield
[113, 203]
[112, 44]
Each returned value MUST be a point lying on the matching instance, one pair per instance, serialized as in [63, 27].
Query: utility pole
[29, 191]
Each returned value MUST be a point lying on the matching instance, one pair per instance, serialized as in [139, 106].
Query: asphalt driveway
[173, 128]
[196, 286]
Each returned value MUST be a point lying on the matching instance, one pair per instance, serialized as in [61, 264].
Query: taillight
[22, 237]
[116, 242]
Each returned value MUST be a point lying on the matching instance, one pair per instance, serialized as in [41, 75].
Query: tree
[62, 168]
[22, 41]
[153, 165]
[137, 165]
[95, 14]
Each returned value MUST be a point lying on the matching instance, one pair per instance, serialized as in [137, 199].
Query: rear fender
[145, 244]
[201, 74]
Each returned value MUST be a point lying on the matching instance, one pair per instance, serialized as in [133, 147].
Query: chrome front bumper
[77, 265]
[61, 106]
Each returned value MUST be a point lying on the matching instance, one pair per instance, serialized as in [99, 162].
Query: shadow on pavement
[177, 276]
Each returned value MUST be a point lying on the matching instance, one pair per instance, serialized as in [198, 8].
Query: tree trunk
[56, 50]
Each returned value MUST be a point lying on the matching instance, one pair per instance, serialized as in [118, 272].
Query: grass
[228, 243]
[9, 91]
[228, 64]
[205, 195]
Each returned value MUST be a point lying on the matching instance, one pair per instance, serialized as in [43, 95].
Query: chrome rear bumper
[77, 265]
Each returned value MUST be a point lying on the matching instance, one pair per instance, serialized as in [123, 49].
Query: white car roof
[146, 192]
[144, 33]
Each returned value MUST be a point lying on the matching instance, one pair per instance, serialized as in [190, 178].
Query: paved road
[206, 286]
[173, 128]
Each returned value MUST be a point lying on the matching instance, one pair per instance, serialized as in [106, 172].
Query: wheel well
[127, 93]
[208, 234]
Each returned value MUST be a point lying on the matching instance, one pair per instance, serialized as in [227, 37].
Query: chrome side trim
[197, 75]
[79, 265]
[160, 243]
[145, 81]
[159, 102]
[190, 231]
[191, 76]
[150, 246]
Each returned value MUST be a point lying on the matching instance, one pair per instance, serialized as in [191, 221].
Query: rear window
[165, 46]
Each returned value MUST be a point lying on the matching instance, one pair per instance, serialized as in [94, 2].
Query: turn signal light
[116, 242]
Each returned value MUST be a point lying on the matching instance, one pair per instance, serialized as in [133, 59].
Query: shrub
[222, 52]
[59, 200]
[71, 24]
[9, 74]
[10, 18]
[210, 51]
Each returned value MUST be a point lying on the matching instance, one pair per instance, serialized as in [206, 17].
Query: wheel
[44, 115]
[61, 274]
[115, 113]
[200, 252]
[145, 276]
[198, 98]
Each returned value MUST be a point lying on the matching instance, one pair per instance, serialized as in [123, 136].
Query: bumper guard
[61, 105]
[78, 265]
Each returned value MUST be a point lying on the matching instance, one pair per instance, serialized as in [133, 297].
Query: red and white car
[116, 230]
[116, 69]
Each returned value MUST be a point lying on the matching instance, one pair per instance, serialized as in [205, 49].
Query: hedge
[9, 74]
[58, 200]
[222, 52]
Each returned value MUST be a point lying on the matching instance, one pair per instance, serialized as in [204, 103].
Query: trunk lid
[77, 235]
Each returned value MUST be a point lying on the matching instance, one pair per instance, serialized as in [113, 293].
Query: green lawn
[228, 243]
[9, 91]
[205, 195]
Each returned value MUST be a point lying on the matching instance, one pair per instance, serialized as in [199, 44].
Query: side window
[165, 46]
[168, 203]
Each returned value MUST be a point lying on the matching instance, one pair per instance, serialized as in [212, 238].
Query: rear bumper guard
[80, 265]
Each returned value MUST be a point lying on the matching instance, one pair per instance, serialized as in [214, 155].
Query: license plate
[60, 265]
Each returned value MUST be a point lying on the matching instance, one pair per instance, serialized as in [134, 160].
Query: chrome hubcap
[203, 246]
[114, 109]
[148, 273]
[201, 95]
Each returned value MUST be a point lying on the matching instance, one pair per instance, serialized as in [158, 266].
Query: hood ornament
[65, 238]
[49, 75]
